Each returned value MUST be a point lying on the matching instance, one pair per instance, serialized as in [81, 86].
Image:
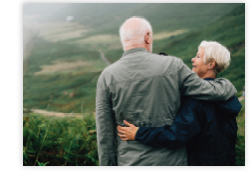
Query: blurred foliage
[240, 151]
[240, 142]
[59, 141]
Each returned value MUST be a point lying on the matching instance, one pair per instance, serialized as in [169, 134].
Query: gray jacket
[145, 89]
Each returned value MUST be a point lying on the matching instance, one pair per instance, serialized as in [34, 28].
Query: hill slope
[63, 67]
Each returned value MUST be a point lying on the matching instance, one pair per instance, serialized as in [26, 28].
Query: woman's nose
[192, 59]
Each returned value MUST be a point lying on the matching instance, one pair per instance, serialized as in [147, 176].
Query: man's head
[136, 32]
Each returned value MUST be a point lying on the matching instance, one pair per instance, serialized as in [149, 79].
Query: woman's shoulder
[192, 105]
[190, 101]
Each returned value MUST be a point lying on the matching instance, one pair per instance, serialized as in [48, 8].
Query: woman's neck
[209, 74]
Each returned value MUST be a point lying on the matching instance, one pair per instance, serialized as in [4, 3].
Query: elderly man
[145, 89]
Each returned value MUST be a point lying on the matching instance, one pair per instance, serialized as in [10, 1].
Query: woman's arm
[185, 126]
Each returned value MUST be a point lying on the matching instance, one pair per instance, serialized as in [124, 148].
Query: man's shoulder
[165, 57]
[158, 62]
[171, 63]
[112, 67]
[164, 61]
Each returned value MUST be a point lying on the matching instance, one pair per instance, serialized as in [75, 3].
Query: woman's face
[199, 67]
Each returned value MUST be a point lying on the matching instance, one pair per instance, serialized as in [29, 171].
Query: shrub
[59, 141]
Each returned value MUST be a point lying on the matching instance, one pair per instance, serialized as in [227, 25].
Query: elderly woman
[208, 128]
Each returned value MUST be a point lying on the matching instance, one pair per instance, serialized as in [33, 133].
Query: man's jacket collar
[134, 50]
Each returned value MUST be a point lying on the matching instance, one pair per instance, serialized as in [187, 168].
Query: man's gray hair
[132, 36]
[219, 53]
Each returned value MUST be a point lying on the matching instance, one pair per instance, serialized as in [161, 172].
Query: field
[64, 59]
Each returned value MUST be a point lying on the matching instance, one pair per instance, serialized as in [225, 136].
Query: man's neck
[134, 46]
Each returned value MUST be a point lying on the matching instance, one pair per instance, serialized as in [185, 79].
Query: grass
[240, 142]
[59, 141]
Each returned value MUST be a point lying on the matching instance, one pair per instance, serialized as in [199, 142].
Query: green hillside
[61, 73]
[66, 88]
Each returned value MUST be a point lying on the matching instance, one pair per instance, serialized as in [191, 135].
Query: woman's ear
[211, 64]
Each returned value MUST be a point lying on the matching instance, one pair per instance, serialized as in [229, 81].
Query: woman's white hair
[219, 53]
[132, 36]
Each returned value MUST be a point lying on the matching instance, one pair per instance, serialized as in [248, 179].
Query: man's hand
[127, 133]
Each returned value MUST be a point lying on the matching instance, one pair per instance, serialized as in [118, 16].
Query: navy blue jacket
[208, 128]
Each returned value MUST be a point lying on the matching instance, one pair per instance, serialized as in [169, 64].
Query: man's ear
[147, 38]
[211, 64]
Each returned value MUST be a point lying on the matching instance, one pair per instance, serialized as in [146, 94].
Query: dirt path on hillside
[60, 114]
[241, 98]
[52, 113]
[104, 58]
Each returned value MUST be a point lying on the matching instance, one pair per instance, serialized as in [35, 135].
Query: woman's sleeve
[186, 125]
